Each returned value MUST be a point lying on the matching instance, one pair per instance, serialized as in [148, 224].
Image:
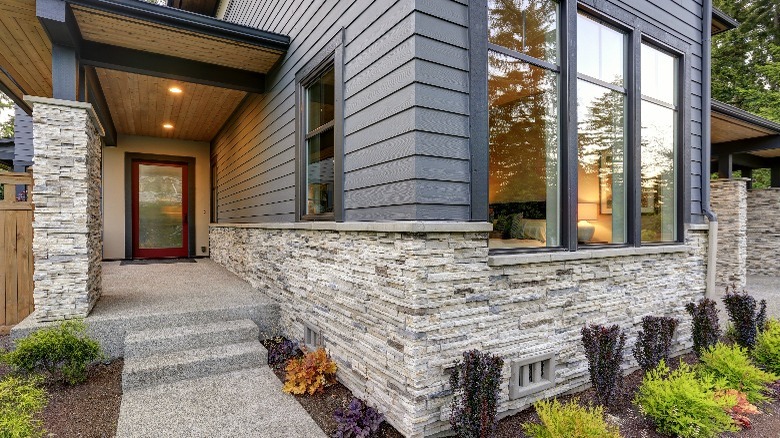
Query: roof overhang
[749, 141]
[722, 22]
[46, 43]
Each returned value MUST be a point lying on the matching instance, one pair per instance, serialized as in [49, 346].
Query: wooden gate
[16, 257]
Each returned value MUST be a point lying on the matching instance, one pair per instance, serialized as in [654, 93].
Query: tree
[746, 60]
[6, 124]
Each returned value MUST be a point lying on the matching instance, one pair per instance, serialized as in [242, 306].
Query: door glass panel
[160, 206]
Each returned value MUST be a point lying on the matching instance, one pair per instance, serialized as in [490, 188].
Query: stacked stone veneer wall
[397, 309]
[763, 232]
[729, 202]
[67, 221]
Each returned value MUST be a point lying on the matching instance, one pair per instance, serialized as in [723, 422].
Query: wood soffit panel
[140, 105]
[25, 50]
[108, 28]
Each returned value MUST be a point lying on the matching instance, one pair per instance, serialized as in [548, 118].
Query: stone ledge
[32, 100]
[603, 253]
[380, 227]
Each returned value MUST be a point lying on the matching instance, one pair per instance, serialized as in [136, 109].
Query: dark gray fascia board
[170, 67]
[98, 100]
[19, 100]
[739, 114]
[58, 22]
[748, 145]
[725, 19]
[188, 21]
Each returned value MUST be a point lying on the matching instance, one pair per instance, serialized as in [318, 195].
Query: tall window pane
[601, 139]
[659, 146]
[319, 110]
[525, 26]
[524, 127]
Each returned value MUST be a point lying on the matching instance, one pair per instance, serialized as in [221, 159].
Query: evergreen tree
[7, 125]
[746, 60]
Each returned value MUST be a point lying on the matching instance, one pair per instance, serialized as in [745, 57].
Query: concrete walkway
[761, 288]
[246, 403]
[766, 288]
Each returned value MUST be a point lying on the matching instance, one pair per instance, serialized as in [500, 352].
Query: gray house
[408, 179]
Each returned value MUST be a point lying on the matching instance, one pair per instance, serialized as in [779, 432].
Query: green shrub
[21, 403]
[63, 351]
[682, 403]
[570, 420]
[731, 368]
[767, 350]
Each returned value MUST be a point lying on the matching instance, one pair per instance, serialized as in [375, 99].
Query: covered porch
[125, 98]
[745, 148]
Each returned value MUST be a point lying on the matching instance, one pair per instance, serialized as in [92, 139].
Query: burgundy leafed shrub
[604, 350]
[654, 341]
[475, 382]
[747, 317]
[280, 350]
[706, 328]
[357, 420]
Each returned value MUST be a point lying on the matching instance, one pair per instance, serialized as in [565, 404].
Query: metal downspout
[712, 247]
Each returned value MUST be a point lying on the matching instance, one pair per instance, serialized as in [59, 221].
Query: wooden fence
[16, 257]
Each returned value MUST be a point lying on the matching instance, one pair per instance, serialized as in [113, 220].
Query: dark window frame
[637, 34]
[331, 56]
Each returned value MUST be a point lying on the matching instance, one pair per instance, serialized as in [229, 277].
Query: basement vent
[532, 375]
[312, 337]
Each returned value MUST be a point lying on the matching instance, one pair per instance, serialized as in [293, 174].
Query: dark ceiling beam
[96, 97]
[747, 145]
[187, 21]
[753, 161]
[19, 100]
[170, 67]
[60, 25]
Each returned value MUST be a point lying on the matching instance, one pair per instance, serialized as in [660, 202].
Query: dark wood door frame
[153, 158]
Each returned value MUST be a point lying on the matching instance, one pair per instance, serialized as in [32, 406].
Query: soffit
[140, 105]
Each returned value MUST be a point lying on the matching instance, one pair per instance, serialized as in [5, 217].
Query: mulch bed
[322, 406]
[87, 410]
[633, 424]
[626, 415]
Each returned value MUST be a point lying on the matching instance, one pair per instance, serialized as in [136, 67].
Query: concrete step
[143, 372]
[171, 339]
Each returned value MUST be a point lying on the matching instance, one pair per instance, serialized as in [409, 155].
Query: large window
[524, 148]
[601, 132]
[659, 145]
[319, 145]
[582, 150]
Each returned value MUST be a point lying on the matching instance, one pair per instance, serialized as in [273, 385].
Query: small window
[533, 375]
[312, 337]
[319, 145]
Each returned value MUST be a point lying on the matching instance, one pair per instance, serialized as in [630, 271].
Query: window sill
[600, 253]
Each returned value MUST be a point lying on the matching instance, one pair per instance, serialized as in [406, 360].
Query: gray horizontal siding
[406, 112]
[23, 138]
[406, 127]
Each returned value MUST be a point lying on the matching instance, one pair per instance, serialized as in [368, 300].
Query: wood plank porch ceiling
[116, 30]
[140, 105]
[25, 50]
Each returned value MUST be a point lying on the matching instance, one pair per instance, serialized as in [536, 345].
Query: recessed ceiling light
[167, 126]
[175, 90]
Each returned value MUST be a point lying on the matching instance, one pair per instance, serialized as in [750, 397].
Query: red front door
[160, 206]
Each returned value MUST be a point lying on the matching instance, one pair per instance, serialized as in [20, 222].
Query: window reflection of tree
[522, 101]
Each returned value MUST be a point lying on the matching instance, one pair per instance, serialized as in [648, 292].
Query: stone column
[763, 232]
[67, 224]
[729, 202]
